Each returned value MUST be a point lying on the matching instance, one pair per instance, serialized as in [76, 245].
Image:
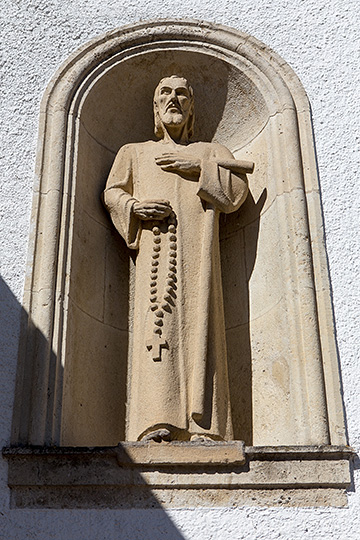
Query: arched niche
[71, 387]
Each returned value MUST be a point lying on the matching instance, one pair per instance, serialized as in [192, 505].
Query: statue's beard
[173, 119]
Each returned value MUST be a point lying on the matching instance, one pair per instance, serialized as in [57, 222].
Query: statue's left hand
[178, 162]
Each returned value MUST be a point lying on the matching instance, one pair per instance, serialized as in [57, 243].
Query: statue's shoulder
[130, 149]
[212, 149]
[139, 144]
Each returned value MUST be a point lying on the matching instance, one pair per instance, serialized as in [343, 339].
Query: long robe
[184, 386]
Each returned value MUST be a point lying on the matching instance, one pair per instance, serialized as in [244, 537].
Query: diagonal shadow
[136, 518]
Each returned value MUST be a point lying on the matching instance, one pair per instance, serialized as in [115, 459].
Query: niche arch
[71, 385]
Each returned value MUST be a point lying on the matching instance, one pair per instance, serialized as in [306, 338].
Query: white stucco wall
[320, 39]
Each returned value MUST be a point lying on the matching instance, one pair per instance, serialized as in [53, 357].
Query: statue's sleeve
[118, 197]
[219, 186]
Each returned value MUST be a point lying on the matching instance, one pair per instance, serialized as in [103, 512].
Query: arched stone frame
[313, 412]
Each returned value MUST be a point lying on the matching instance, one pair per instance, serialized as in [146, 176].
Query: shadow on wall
[10, 314]
[133, 521]
[10, 310]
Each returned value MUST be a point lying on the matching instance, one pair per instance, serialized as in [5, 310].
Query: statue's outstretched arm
[223, 182]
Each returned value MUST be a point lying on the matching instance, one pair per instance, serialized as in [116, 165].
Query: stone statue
[165, 198]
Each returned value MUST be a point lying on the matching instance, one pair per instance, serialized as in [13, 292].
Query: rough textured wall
[320, 40]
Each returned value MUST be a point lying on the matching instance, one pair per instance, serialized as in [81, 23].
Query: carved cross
[155, 345]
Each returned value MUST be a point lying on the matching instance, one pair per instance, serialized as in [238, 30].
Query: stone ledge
[177, 475]
[301, 452]
[148, 453]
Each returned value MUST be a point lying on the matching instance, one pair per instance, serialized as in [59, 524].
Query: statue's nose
[173, 95]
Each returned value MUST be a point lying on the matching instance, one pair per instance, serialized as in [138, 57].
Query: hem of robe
[178, 434]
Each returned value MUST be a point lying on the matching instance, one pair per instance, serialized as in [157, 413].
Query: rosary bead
[170, 290]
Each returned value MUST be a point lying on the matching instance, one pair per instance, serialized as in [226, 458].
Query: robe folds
[184, 385]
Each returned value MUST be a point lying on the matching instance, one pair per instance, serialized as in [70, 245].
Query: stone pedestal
[146, 475]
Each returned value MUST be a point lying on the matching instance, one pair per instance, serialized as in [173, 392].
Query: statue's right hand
[154, 209]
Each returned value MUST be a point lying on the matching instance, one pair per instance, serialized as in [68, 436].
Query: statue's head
[173, 106]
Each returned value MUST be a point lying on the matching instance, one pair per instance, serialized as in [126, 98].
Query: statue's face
[174, 101]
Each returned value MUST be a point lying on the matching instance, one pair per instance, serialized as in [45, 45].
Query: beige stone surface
[94, 382]
[182, 453]
[284, 382]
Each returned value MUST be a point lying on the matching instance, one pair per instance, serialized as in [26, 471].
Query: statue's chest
[152, 182]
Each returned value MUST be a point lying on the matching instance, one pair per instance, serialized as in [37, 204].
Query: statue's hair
[158, 128]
